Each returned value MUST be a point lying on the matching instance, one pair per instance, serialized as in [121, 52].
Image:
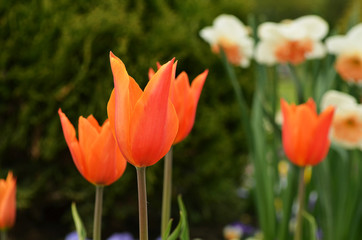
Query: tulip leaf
[168, 230]
[184, 235]
[82, 234]
[182, 229]
[176, 233]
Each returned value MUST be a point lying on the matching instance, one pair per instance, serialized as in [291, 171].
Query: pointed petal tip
[330, 111]
[169, 65]
[283, 102]
[60, 113]
[114, 58]
[205, 73]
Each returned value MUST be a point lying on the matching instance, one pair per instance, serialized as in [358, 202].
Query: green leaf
[184, 235]
[168, 230]
[176, 233]
[82, 234]
[182, 229]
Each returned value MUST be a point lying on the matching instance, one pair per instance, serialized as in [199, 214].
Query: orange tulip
[145, 122]
[7, 202]
[96, 154]
[185, 98]
[304, 133]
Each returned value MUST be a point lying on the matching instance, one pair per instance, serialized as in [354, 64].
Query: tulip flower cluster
[142, 126]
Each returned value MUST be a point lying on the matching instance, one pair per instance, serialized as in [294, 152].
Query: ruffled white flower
[346, 129]
[291, 41]
[230, 34]
[348, 48]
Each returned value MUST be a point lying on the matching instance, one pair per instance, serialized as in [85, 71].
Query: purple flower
[247, 230]
[121, 236]
[73, 236]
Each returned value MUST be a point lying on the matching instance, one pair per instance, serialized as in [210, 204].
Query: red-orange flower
[96, 154]
[7, 202]
[185, 99]
[145, 122]
[305, 134]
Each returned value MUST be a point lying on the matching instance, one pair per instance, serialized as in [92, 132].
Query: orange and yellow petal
[119, 105]
[102, 164]
[154, 120]
[87, 136]
[350, 67]
[7, 202]
[320, 143]
[72, 142]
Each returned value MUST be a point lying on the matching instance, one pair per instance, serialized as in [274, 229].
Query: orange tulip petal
[182, 86]
[311, 104]
[151, 72]
[94, 123]
[154, 120]
[87, 136]
[319, 146]
[303, 136]
[198, 84]
[119, 107]
[185, 101]
[7, 201]
[72, 142]
[185, 106]
[102, 164]
[135, 92]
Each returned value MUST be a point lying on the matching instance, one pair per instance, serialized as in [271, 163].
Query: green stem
[142, 202]
[298, 85]
[244, 110]
[167, 189]
[3, 235]
[301, 191]
[287, 199]
[97, 223]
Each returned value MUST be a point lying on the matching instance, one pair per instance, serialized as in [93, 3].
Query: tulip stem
[167, 189]
[97, 223]
[142, 202]
[243, 107]
[3, 235]
[301, 191]
[298, 84]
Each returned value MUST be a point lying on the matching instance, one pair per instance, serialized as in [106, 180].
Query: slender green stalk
[142, 203]
[298, 84]
[97, 223]
[287, 198]
[240, 99]
[167, 189]
[3, 235]
[301, 191]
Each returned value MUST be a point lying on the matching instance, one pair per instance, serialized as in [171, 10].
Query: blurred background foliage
[55, 54]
